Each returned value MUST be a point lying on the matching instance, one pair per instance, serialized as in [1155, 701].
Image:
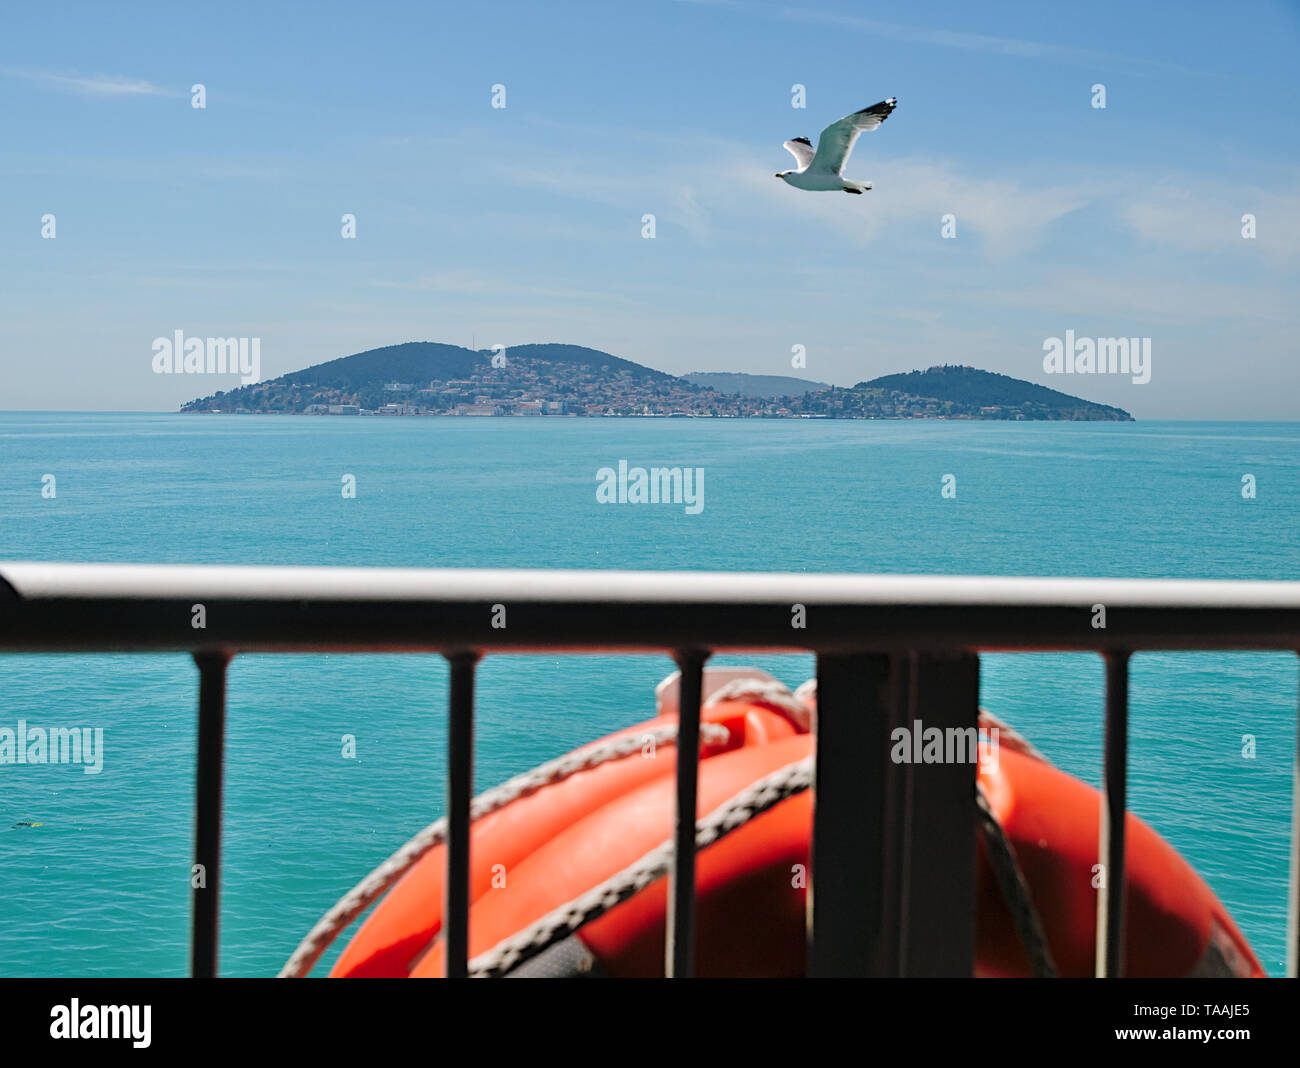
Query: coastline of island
[429, 379]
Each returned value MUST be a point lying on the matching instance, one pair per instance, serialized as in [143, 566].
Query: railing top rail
[34, 581]
[110, 607]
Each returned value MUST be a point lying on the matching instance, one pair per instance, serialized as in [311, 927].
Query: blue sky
[524, 224]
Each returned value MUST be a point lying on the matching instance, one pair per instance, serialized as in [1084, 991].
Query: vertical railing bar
[1114, 807]
[679, 950]
[896, 779]
[208, 776]
[460, 793]
[1293, 895]
[847, 929]
[937, 869]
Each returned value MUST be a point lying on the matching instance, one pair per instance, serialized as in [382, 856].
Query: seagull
[820, 170]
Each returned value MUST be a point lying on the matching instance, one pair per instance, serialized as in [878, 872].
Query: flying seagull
[821, 170]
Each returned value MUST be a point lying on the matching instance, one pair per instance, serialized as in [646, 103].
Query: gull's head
[781, 174]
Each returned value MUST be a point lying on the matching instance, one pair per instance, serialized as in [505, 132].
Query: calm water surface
[101, 887]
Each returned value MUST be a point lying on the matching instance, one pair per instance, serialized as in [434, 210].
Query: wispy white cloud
[472, 283]
[1211, 219]
[696, 187]
[1007, 216]
[671, 195]
[1138, 298]
[96, 85]
[974, 42]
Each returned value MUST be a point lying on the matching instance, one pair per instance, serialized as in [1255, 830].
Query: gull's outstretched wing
[802, 151]
[837, 140]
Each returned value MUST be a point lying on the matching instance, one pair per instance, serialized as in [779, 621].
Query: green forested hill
[971, 388]
[360, 378]
[746, 385]
[414, 361]
[428, 378]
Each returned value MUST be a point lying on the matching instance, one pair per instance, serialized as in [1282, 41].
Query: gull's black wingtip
[884, 109]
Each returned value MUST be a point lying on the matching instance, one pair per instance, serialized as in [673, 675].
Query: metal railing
[890, 649]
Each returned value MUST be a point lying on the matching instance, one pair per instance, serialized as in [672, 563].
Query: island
[425, 378]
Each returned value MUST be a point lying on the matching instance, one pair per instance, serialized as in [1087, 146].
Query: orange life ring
[409, 918]
[570, 837]
[1174, 924]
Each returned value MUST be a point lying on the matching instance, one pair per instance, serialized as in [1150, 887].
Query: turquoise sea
[101, 887]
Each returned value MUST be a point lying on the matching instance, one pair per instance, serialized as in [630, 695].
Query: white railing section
[889, 648]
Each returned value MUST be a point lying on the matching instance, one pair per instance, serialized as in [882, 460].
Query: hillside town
[536, 387]
[525, 388]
